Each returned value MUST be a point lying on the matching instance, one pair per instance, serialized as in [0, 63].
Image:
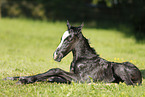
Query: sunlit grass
[27, 46]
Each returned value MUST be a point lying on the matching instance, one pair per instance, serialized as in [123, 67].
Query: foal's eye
[71, 30]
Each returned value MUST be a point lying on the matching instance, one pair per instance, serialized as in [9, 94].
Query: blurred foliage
[42, 9]
[100, 11]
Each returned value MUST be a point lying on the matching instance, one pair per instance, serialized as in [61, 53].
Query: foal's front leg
[56, 73]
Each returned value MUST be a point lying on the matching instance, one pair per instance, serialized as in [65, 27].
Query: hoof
[22, 81]
[8, 78]
[19, 83]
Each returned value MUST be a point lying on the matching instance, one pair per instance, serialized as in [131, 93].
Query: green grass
[27, 46]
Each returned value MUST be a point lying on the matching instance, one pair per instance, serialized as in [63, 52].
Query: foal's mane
[88, 45]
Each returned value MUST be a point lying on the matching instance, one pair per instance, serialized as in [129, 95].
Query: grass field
[27, 46]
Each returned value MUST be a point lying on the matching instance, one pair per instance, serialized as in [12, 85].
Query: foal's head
[68, 42]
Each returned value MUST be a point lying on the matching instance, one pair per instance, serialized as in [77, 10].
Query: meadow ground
[27, 46]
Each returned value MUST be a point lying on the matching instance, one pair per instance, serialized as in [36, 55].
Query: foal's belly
[87, 72]
[95, 72]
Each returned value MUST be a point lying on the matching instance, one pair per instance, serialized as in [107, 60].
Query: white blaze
[65, 35]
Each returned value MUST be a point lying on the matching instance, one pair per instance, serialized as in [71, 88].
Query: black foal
[86, 64]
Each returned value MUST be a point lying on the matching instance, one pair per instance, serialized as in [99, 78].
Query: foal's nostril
[54, 55]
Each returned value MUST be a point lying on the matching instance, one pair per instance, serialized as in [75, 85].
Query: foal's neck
[83, 50]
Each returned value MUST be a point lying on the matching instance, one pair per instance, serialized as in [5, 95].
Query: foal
[86, 64]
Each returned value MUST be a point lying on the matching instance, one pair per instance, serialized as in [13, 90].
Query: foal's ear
[81, 26]
[68, 25]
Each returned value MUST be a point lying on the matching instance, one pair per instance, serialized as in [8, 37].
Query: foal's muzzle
[57, 57]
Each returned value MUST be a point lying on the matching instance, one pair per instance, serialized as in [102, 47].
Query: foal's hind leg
[123, 74]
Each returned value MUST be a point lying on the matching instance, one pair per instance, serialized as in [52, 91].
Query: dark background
[104, 14]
